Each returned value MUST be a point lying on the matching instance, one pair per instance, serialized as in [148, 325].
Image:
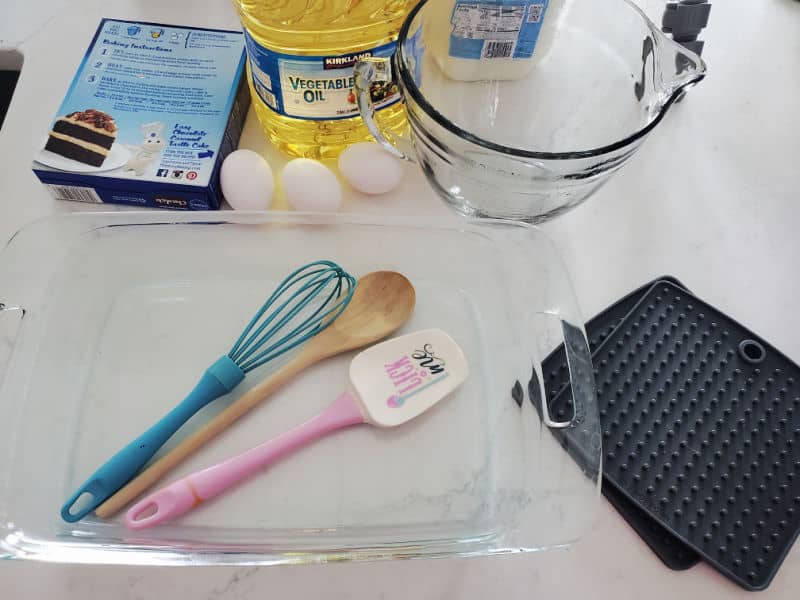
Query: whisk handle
[219, 379]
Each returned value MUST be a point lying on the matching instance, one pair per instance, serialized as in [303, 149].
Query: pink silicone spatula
[390, 383]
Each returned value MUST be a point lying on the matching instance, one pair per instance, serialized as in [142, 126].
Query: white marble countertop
[711, 198]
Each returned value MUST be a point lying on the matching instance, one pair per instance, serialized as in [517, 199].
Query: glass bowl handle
[10, 322]
[581, 380]
[582, 432]
[581, 376]
[366, 72]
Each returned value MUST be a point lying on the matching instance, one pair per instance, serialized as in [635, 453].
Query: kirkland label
[314, 87]
[496, 28]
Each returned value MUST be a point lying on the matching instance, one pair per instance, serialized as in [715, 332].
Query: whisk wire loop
[320, 279]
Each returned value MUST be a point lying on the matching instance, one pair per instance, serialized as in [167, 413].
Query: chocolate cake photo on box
[85, 136]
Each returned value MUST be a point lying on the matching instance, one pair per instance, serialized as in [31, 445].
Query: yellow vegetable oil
[300, 69]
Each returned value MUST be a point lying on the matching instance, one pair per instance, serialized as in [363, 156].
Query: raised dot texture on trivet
[739, 432]
[672, 552]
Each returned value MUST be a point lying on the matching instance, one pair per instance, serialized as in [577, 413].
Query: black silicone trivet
[672, 552]
[701, 424]
[554, 367]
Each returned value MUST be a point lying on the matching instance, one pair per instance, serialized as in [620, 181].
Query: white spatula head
[403, 377]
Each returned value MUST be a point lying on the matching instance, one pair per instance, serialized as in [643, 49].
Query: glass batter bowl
[532, 148]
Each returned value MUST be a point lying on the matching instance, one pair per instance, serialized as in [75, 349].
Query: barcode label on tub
[497, 49]
[75, 193]
[535, 13]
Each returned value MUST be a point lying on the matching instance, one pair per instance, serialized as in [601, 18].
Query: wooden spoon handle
[152, 474]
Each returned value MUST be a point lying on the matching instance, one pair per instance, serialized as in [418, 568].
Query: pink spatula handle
[186, 493]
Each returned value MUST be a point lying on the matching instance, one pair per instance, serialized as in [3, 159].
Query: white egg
[246, 181]
[370, 169]
[311, 186]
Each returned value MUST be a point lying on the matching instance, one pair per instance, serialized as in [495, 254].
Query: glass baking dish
[123, 311]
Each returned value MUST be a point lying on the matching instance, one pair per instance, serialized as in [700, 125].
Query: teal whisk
[304, 304]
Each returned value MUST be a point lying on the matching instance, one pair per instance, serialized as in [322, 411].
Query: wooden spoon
[382, 303]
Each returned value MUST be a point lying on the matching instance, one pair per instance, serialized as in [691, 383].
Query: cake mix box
[149, 117]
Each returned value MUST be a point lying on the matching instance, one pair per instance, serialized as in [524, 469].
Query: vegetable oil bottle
[300, 69]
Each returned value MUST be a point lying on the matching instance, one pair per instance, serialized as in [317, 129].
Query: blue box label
[148, 103]
[496, 28]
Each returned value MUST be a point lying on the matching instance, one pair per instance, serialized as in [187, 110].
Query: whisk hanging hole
[82, 502]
